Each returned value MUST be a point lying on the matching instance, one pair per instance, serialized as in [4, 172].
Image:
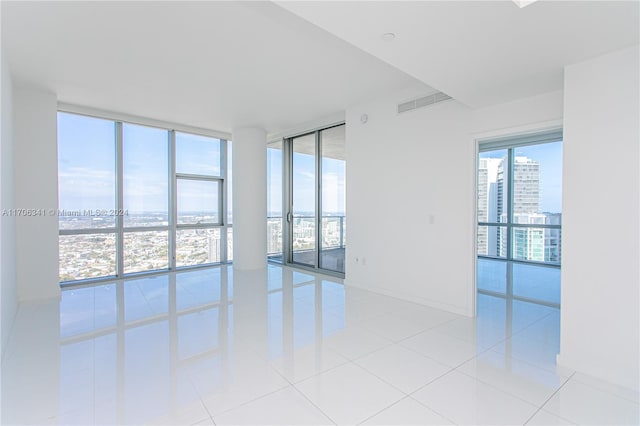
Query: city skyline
[530, 176]
[549, 156]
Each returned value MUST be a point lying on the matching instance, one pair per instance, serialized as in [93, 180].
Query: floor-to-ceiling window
[135, 199]
[227, 198]
[198, 199]
[274, 201]
[302, 217]
[306, 219]
[333, 226]
[519, 234]
[86, 182]
[145, 195]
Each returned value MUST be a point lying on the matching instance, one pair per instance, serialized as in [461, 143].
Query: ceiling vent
[422, 102]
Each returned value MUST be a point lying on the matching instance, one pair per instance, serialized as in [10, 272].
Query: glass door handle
[289, 217]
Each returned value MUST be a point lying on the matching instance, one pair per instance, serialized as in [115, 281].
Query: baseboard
[411, 298]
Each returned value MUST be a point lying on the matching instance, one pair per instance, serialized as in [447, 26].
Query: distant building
[274, 236]
[537, 244]
[553, 238]
[487, 199]
[214, 247]
[526, 201]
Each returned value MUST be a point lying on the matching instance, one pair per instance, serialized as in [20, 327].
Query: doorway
[313, 177]
[519, 228]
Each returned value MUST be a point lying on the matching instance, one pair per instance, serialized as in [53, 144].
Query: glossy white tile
[545, 330]
[442, 348]
[607, 387]
[542, 354]
[584, 404]
[206, 422]
[189, 414]
[403, 368]
[407, 411]
[349, 394]
[300, 364]
[355, 341]
[364, 309]
[230, 383]
[544, 418]
[285, 407]
[465, 400]
[480, 332]
[393, 327]
[77, 417]
[280, 346]
[514, 314]
[513, 376]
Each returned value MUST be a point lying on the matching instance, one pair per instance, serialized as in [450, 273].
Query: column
[249, 198]
[36, 187]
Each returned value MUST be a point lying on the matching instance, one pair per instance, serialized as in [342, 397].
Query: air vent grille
[422, 102]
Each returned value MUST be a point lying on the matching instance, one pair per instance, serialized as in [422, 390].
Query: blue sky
[86, 166]
[86, 153]
[333, 196]
[86, 162]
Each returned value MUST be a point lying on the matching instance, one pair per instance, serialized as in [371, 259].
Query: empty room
[320, 212]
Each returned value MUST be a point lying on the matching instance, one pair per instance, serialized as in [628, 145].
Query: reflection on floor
[284, 347]
[534, 282]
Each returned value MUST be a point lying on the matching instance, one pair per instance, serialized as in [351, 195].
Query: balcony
[333, 241]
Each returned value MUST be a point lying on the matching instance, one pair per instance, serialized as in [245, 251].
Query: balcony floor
[331, 259]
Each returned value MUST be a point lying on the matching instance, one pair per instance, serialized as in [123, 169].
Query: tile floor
[215, 346]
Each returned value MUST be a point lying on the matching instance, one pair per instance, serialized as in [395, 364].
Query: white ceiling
[214, 65]
[223, 64]
[480, 52]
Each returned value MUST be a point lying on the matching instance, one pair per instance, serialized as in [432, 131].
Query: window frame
[510, 144]
[172, 227]
[286, 256]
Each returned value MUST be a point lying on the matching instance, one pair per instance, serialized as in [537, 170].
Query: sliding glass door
[275, 201]
[333, 200]
[302, 214]
[306, 181]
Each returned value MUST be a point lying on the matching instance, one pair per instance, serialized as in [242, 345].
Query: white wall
[600, 275]
[521, 116]
[36, 187]
[8, 293]
[404, 171]
[410, 180]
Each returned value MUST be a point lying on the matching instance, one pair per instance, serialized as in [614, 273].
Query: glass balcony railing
[333, 233]
[274, 236]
